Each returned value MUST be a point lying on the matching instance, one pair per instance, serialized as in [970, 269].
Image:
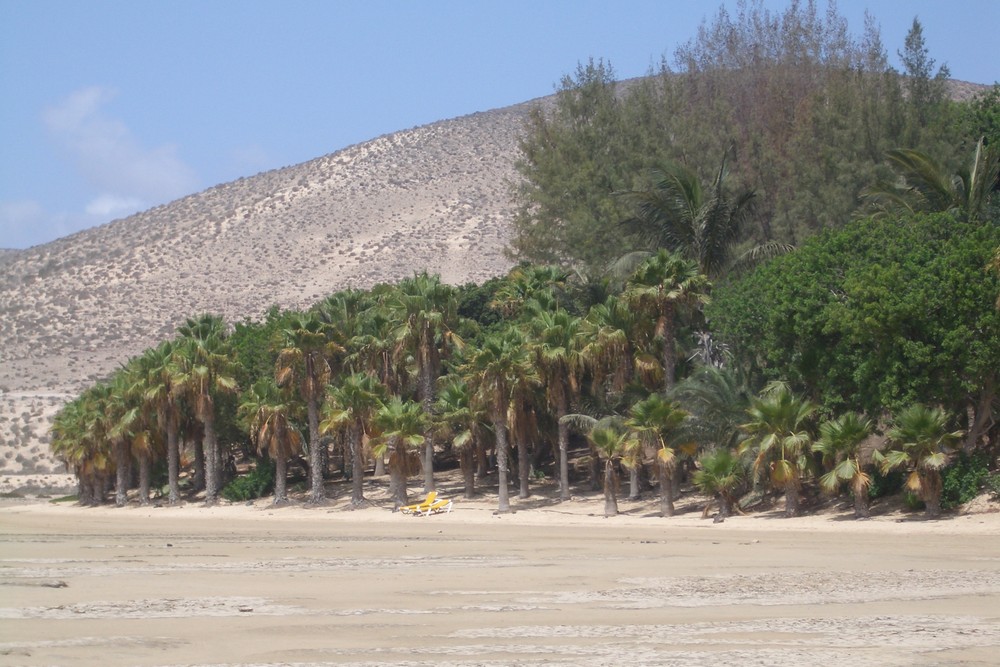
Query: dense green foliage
[964, 479]
[255, 484]
[872, 317]
[806, 110]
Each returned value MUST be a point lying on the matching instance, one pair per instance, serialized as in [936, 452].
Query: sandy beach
[552, 583]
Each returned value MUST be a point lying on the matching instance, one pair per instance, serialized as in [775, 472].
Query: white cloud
[112, 206]
[26, 223]
[109, 156]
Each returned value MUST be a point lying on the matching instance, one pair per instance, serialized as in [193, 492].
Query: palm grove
[771, 269]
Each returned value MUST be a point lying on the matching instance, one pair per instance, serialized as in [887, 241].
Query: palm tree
[556, 340]
[141, 421]
[654, 421]
[840, 443]
[920, 442]
[614, 445]
[525, 283]
[304, 363]
[494, 371]
[461, 420]
[351, 404]
[717, 401]
[160, 366]
[269, 417]
[75, 444]
[720, 473]
[703, 225]
[922, 184]
[660, 287]
[426, 312]
[402, 424]
[779, 439]
[206, 369]
[121, 416]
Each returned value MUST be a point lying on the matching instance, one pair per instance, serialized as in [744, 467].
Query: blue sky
[108, 107]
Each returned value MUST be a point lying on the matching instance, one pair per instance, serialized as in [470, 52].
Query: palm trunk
[500, 427]
[633, 483]
[610, 497]
[669, 350]
[398, 475]
[427, 399]
[318, 493]
[379, 466]
[280, 480]
[563, 451]
[791, 499]
[357, 466]
[981, 416]
[725, 505]
[931, 492]
[467, 459]
[595, 469]
[482, 462]
[861, 505]
[121, 474]
[173, 461]
[211, 447]
[145, 473]
[666, 475]
[523, 468]
[199, 464]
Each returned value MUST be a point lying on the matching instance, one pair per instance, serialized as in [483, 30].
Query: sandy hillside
[553, 584]
[433, 197]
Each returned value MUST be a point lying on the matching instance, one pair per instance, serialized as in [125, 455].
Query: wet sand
[553, 585]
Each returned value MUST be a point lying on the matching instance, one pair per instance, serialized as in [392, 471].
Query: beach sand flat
[554, 585]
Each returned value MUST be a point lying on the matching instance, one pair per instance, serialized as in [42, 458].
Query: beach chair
[438, 507]
[419, 508]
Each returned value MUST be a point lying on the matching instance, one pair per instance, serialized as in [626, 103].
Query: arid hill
[434, 197]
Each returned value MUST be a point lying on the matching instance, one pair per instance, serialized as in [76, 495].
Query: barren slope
[434, 198]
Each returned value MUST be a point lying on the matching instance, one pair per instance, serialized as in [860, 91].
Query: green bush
[256, 483]
[992, 484]
[913, 501]
[884, 485]
[963, 480]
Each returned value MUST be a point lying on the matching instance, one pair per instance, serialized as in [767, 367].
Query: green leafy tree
[875, 317]
[921, 443]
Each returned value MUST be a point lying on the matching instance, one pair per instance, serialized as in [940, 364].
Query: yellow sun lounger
[421, 507]
[437, 507]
